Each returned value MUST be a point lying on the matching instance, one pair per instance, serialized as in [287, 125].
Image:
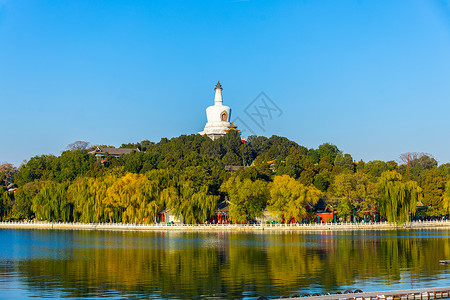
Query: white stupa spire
[218, 96]
[218, 116]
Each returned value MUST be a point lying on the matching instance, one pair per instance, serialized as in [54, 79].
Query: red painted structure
[324, 216]
[221, 214]
[160, 217]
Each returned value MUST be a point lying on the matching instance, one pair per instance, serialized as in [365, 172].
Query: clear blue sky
[372, 77]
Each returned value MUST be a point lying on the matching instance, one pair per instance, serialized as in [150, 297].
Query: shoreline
[300, 228]
[420, 293]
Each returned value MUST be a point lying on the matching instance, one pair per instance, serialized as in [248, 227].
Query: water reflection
[175, 265]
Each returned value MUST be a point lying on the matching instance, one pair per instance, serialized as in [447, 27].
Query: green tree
[246, 154]
[291, 165]
[231, 159]
[193, 204]
[322, 181]
[328, 152]
[307, 177]
[23, 200]
[5, 203]
[247, 198]
[323, 177]
[345, 208]
[231, 142]
[51, 203]
[446, 199]
[356, 193]
[37, 168]
[280, 148]
[418, 162]
[259, 144]
[433, 184]
[445, 169]
[71, 164]
[375, 168]
[344, 162]
[397, 199]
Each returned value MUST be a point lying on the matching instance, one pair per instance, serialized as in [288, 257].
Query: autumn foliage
[188, 176]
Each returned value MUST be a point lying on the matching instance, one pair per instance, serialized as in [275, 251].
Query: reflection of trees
[190, 265]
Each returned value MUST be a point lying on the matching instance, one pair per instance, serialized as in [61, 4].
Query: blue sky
[372, 77]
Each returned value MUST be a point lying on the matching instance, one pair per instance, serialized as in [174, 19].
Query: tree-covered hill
[187, 175]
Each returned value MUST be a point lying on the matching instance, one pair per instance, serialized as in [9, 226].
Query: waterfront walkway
[226, 227]
[413, 294]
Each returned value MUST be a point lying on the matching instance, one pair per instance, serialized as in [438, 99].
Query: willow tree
[397, 198]
[136, 197]
[51, 203]
[88, 194]
[194, 204]
[247, 198]
[446, 198]
[288, 198]
[79, 194]
[5, 204]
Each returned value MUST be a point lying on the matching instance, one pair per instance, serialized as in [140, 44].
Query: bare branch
[7, 172]
[78, 145]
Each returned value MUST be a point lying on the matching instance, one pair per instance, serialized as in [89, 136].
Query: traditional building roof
[232, 127]
[223, 207]
[101, 151]
[233, 168]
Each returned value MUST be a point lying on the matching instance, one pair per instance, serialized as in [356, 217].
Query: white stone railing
[259, 226]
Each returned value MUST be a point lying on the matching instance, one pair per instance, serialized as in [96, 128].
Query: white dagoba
[218, 117]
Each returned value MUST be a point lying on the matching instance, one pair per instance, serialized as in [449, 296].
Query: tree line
[187, 176]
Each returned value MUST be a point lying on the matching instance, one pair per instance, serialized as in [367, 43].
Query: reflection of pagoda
[218, 117]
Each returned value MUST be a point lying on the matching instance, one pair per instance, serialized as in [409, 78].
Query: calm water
[174, 265]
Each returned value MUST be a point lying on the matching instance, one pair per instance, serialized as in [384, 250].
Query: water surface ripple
[220, 265]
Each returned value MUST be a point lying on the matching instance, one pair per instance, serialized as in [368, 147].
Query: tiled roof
[223, 206]
[112, 151]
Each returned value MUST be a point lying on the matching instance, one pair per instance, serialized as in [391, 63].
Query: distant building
[234, 168]
[323, 211]
[218, 117]
[114, 152]
[165, 216]
[266, 217]
[221, 215]
[11, 187]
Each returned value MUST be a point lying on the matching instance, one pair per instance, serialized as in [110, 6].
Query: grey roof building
[114, 152]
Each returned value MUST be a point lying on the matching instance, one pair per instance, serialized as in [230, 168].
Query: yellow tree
[87, 195]
[79, 194]
[288, 198]
[136, 198]
[446, 198]
[397, 199]
[99, 189]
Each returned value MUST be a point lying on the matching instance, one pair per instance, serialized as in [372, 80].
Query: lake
[217, 265]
